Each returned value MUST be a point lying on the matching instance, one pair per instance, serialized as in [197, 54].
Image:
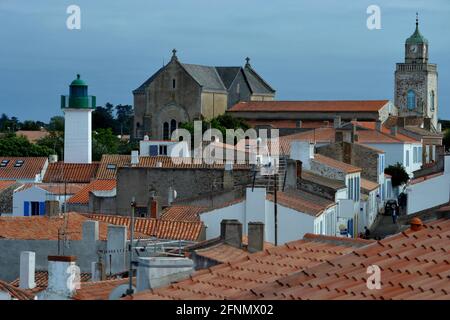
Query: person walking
[394, 214]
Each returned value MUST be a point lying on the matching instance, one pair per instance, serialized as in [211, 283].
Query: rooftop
[368, 185]
[310, 106]
[182, 213]
[21, 168]
[15, 293]
[342, 166]
[321, 180]
[82, 196]
[54, 188]
[71, 172]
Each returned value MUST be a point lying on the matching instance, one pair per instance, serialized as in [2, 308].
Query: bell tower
[416, 80]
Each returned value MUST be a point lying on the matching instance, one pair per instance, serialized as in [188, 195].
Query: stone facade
[181, 92]
[6, 199]
[354, 154]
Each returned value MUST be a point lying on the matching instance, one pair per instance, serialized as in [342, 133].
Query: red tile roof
[182, 213]
[55, 188]
[414, 265]
[82, 196]
[99, 290]
[236, 277]
[368, 185]
[302, 201]
[372, 125]
[27, 171]
[45, 228]
[71, 172]
[5, 184]
[163, 229]
[15, 293]
[310, 106]
[116, 161]
[345, 167]
[424, 178]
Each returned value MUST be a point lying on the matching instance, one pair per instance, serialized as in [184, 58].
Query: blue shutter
[26, 208]
[41, 208]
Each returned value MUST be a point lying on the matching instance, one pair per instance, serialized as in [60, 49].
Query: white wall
[78, 135]
[213, 218]
[30, 194]
[174, 148]
[431, 192]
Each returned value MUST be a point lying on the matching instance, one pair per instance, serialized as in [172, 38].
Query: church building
[180, 92]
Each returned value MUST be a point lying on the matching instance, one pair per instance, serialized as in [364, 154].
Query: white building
[164, 148]
[77, 108]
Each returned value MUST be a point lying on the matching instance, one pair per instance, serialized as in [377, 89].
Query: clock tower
[416, 81]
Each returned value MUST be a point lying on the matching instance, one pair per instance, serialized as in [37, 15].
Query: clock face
[413, 49]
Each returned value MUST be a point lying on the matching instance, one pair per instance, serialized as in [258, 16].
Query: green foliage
[56, 124]
[104, 142]
[446, 140]
[30, 125]
[14, 146]
[398, 173]
[9, 124]
[118, 118]
[54, 141]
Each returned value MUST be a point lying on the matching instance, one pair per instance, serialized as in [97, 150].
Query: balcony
[87, 102]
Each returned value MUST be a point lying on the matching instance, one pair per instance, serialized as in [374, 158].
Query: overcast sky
[306, 49]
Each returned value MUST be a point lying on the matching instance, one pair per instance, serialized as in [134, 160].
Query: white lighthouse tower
[77, 108]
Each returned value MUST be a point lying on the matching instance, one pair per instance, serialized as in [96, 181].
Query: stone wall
[6, 199]
[354, 154]
[327, 171]
[142, 182]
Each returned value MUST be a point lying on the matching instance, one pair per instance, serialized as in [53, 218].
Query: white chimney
[303, 151]
[53, 158]
[134, 157]
[27, 269]
[63, 278]
[146, 138]
[155, 272]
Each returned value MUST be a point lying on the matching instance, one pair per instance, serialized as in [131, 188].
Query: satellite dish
[120, 292]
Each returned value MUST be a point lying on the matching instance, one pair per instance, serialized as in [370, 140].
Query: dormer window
[111, 166]
[4, 163]
[18, 163]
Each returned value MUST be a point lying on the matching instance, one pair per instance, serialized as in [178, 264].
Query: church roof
[228, 74]
[256, 83]
[207, 77]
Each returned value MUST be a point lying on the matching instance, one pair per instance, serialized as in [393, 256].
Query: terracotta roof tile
[238, 277]
[309, 106]
[163, 229]
[99, 290]
[15, 293]
[345, 167]
[368, 185]
[182, 213]
[110, 163]
[27, 171]
[5, 184]
[302, 201]
[55, 188]
[71, 172]
[321, 180]
[82, 196]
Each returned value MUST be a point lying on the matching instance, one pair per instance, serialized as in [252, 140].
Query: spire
[417, 20]
[417, 37]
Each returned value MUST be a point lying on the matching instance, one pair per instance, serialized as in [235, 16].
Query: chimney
[27, 269]
[255, 236]
[98, 270]
[337, 122]
[154, 208]
[378, 125]
[353, 137]
[303, 151]
[338, 136]
[416, 224]
[134, 158]
[231, 232]
[394, 130]
[63, 278]
[155, 272]
[53, 158]
[171, 196]
[427, 124]
[298, 164]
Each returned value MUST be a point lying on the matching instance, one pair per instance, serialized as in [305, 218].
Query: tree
[398, 174]
[124, 119]
[30, 125]
[54, 141]
[56, 124]
[14, 146]
[103, 118]
[446, 140]
[104, 142]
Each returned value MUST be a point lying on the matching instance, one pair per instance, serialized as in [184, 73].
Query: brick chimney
[255, 236]
[231, 232]
[27, 270]
[298, 164]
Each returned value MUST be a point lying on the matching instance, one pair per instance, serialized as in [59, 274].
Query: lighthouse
[77, 108]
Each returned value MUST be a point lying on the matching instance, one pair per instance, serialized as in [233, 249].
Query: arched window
[173, 126]
[166, 131]
[432, 100]
[411, 103]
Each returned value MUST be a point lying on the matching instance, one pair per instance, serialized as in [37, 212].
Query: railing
[88, 102]
[416, 67]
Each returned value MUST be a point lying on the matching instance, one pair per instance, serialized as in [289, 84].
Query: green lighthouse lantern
[78, 96]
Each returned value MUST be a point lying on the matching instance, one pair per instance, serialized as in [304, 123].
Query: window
[166, 131]
[4, 163]
[174, 83]
[18, 163]
[173, 126]
[407, 158]
[111, 166]
[411, 100]
[35, 208]
[415, 155]
[163, 150]
[432, 100]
